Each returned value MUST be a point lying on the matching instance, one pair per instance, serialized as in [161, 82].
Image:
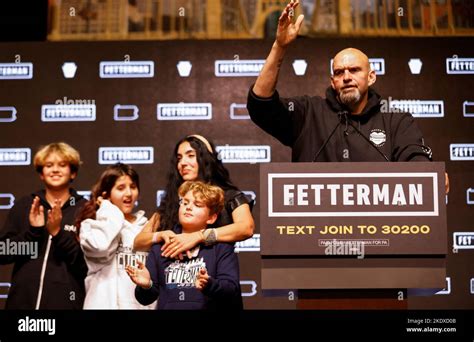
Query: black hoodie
[323, 130]
[58, 282]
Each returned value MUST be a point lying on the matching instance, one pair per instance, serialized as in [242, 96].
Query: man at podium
[349, 124]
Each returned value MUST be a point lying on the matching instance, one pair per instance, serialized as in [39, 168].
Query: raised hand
[101, 198]
[287, 31]
[55, 216]
[36, 216]
[139, 275]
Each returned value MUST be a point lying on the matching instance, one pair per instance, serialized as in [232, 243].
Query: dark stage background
[22, 126]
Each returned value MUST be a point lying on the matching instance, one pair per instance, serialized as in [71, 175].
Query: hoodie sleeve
[17, 228]
[148, 296]
[279, 117]
[225, 285]
[69, 249]
[99, 237]
[408, 141]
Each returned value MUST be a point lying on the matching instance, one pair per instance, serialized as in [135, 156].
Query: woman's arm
[149, 236]
[241, 229]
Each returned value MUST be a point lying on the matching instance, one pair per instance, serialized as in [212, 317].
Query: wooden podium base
[363, 299]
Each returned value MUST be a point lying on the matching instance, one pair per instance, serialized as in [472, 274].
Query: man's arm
[408, 141]
[287, 32]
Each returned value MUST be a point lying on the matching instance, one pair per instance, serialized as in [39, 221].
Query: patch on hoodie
[183, 274]
[378, 137]
[70, 228]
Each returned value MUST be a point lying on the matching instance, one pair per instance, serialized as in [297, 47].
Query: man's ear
[372, 77]
[212, 219]
[332, 83]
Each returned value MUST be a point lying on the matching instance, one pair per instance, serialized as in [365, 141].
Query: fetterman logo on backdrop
[184, 111]
[85, 193]
[82, 110]
[238, 111]
[7, 200]
[160, 194]
[468, 109]
[250, 245]
[236, 68]
[244, 153]
[251, 195]
[16, 71]
[461, 151]
[470, 196]
[2, 287]
[376, 64]
[131, 69]
[15, 156]
[419, 108]
[249, 288]
[459, 65]
[7, 114]
[127, 155]
[463, 240]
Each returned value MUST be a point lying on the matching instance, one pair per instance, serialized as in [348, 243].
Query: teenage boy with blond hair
[51, 275]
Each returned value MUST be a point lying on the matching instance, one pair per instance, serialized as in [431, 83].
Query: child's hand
[202, 279]
[36, 216]
[55, 216]
[139, 275]
[100, 198]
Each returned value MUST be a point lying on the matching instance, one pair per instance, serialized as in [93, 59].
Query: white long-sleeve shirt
[107, 243]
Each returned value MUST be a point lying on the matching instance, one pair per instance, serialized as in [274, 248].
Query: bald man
[347, 125]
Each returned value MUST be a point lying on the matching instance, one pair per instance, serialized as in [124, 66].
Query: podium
[353, 235]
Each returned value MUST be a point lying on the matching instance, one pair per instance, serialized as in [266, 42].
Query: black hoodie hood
[372, 106]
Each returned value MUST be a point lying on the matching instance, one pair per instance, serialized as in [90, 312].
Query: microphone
[340, 114]
[343, 119]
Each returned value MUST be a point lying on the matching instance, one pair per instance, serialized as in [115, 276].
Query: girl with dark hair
[195, 158]
[107, 227]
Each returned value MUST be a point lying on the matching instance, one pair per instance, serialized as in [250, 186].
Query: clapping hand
[36, 216]
[55, 216]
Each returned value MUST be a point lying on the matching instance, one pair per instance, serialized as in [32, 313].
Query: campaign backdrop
[132, 101]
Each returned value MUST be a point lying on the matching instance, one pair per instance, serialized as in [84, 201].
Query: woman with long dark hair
[195, 158]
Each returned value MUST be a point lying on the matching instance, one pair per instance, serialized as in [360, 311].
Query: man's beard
[349, 98]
